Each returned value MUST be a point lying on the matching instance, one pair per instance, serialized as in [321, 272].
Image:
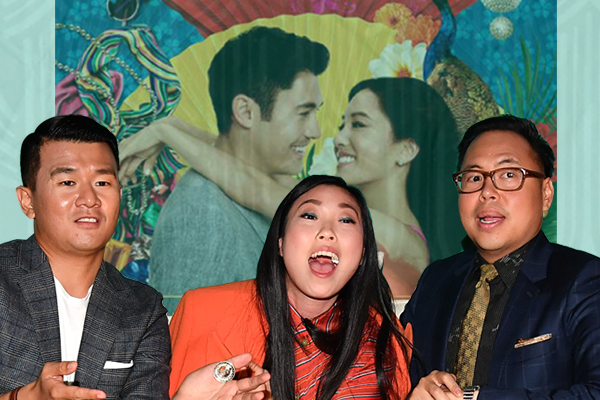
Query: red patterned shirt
[361, 381]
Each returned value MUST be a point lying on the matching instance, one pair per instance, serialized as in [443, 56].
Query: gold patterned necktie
[472, 326]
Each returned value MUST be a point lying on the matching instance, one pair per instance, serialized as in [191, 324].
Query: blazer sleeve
[581, 320]
[195, 337]
[149, 378]
[213, 324]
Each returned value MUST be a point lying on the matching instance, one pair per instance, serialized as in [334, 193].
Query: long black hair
[415, 110]
[365, 292]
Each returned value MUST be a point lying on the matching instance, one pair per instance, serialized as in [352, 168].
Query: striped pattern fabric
[311, 362]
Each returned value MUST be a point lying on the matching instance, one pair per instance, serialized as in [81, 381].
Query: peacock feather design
[468, 96]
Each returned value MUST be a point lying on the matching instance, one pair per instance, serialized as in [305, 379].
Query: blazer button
[304, 343]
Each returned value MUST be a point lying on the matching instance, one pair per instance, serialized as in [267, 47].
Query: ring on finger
[224, 371]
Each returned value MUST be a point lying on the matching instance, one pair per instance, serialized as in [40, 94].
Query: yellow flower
[419, 29]
[394, 15]
[400, 60]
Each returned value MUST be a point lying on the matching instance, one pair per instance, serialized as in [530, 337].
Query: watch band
[469, 392]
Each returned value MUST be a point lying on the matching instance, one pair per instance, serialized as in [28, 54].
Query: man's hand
[202, 385]
[50, 386]
[437, 385]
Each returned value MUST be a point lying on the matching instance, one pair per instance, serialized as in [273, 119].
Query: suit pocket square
[117, 365]
[537, 339]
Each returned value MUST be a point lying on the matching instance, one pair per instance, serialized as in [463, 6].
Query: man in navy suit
[539, 330]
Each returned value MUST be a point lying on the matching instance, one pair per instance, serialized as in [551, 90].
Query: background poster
[492, 56]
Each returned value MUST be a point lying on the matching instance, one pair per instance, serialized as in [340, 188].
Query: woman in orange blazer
[318, 317]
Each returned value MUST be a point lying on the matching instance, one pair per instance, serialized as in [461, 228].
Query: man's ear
[25, 197]
[245, 111]
[405, 151]
[547, 193]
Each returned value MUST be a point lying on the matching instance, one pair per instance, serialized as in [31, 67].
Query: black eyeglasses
[506, 179]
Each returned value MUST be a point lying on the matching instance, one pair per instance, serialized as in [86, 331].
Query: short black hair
[259, 63]
[70, 128]
[520, 126]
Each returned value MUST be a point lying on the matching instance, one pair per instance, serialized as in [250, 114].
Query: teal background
[27, 78]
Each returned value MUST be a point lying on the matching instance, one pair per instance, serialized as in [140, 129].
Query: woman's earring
[400, 163]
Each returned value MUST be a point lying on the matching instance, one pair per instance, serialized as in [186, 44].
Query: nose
[341, 139]
[313, 131]
[326, 234]
[488, 191]
[87, 196]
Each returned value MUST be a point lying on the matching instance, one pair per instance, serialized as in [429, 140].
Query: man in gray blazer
[65, 314]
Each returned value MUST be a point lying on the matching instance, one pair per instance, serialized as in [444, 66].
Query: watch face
[469, 392]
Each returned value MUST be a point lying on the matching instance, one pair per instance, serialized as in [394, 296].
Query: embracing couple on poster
[396, 142]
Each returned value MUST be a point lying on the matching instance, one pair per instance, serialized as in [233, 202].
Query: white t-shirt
[71, 317]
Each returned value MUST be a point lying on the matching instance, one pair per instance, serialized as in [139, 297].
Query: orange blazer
[215, 323]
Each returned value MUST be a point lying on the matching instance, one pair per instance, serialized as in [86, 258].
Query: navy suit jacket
[557, 291]
[125, 322]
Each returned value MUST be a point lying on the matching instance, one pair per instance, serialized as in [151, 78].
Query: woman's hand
[146, 145]
[202, 385]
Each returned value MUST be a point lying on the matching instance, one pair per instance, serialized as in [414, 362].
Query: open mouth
[490, 220]
[87, 219]
[299, 150]
[323, 263]
[344, 158]
[325, 257]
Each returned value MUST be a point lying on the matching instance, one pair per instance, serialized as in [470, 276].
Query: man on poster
[65, 314]
[516, 317]
[264, 89]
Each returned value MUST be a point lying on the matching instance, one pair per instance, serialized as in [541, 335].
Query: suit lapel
[39, 292]
[522, 296]
[102, 322]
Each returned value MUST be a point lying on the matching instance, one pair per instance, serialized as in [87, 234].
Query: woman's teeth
[334, 258]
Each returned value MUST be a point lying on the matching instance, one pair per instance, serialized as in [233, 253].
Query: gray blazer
[125, 323]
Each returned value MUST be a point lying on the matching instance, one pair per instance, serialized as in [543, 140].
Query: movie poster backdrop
[196, 205]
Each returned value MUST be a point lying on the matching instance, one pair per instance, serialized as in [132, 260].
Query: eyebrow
[310, 105]
[340, 205]
[61, 170]
[70, 170]
[350, 206]
[312, 201]
[360, 114]
[507, 160]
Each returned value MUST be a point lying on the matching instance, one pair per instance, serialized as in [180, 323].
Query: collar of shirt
[327, 322]
[508, 267]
